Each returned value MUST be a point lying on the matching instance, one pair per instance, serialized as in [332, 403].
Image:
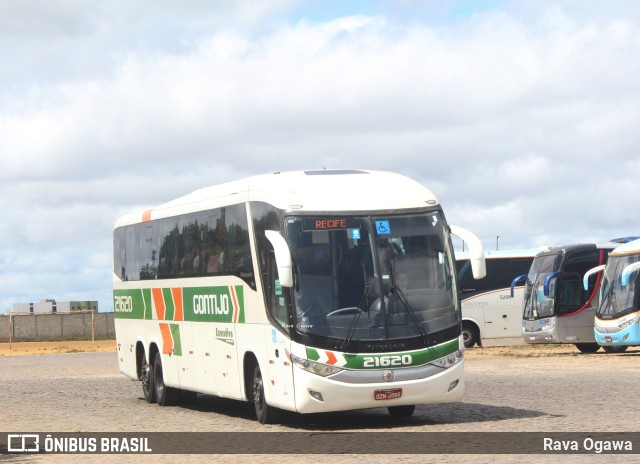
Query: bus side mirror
[547, 281]
[515, 281]
[626, 273]
[283, 257]
[595, 270]
[476, 251]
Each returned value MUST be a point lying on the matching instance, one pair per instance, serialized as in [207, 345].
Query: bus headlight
[547, 327]
[628, 322]
[449, 360]
[314, 367]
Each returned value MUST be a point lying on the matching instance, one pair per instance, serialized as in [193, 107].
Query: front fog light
[316, 395]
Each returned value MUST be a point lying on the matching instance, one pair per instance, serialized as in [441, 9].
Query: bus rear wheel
[469, 334]
[401, 411]
[587, 348]
[615, 349]
[264, 413]
[165, 396]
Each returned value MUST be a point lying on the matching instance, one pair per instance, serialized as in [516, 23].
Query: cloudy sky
[522, 116]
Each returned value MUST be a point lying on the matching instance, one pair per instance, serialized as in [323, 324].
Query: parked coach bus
[489, 310]
[556, 307]
[616, 324]
[303, 291]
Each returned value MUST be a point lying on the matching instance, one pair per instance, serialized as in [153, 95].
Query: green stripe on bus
[146, 298]
[381, 360]
[200, 304]
[177, 343]
[170, 308]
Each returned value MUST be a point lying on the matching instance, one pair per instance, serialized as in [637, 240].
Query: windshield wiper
[356, 317]
[401, 297]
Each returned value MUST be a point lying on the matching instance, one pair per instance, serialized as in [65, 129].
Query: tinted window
[500, 274]
[214, 242]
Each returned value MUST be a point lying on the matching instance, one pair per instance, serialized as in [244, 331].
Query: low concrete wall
[56, 326]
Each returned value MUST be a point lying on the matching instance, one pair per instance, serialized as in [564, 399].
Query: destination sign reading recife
[328, 223]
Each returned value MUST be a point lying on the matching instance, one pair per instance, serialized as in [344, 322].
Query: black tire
[146, 376]
[264, 413]
[587, 348]
[469, 334]
[615, 349]
[401, 411]
[165, 396]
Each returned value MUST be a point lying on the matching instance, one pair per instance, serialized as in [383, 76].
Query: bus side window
[278, 304]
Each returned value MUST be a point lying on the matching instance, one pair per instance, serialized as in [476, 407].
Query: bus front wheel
[615, 349]
[401, 411]
[587, 348]
[264, 413]
[469, 334]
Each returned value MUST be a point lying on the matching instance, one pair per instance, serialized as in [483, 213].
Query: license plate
[389, 394]
[533, 339]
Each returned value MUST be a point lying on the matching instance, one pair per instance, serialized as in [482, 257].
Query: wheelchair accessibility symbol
[383, 227]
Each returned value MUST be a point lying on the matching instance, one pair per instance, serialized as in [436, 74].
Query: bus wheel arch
[255, 391]
[470, 334]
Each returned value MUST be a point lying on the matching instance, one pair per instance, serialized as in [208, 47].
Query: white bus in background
[489, 310]
[308, 291]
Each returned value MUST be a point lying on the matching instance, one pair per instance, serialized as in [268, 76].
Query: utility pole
[497, 238]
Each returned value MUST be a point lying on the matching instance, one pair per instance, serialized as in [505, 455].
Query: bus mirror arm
[515, 281]
[283, 257]
[476, 251]
[595, 270]
[547, 281]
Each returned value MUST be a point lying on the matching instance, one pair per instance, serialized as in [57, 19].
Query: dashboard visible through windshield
[364, 278]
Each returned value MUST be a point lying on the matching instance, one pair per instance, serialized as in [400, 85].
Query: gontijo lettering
[211, 304]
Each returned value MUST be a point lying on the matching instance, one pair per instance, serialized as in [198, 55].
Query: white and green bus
[307, 291]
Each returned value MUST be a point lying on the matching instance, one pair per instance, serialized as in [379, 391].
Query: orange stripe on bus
[177, 302]
[146, 216]
[158, 302]
[236, 306]
[167, 341]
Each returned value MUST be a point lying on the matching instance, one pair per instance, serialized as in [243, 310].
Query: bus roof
[627, 248]
[560, 249]
[311, 191]
[529, 253]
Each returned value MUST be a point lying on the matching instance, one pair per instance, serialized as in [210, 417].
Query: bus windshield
[536, 304]
[617, 299]
[372, 277]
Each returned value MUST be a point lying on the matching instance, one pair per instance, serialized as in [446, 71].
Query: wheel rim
[146, 379]
[258, 391]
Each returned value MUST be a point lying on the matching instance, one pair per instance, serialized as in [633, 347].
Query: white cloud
[523, 121]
